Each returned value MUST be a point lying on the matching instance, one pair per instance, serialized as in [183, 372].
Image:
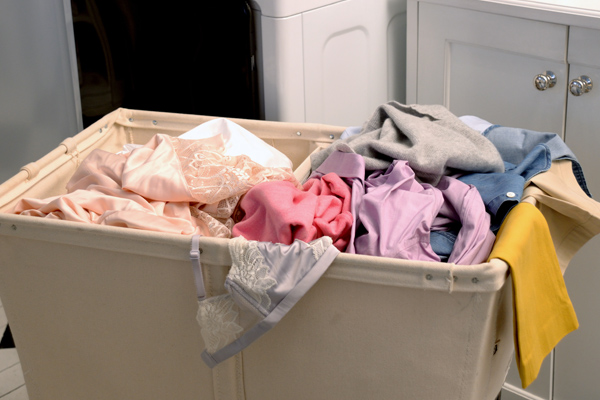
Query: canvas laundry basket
[110, 313]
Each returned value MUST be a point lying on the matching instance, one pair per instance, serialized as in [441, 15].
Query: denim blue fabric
[515, 144]
[538, 160]
[350, 131]
[502, 191]
[442, 243]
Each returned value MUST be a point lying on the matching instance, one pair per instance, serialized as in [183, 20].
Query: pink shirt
[278, 212]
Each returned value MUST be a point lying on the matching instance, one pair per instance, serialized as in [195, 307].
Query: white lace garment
[264, 282]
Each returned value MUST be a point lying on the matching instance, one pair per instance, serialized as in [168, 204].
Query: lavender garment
[463, 203]
[398, 213]
[394, 214]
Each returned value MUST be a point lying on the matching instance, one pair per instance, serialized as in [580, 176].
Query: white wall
[39, 96]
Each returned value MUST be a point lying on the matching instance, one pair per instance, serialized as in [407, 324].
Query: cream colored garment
[169, 185]
[572, 216]
[239, 141]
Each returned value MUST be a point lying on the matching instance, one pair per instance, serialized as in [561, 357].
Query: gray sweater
[432, 139]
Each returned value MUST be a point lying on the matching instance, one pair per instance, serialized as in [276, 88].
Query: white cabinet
[480, 58]
[484, 64]
[577, 367]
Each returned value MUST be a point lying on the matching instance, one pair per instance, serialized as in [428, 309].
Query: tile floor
[12, 384]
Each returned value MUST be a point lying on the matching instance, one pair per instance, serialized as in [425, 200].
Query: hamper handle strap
[197, 267]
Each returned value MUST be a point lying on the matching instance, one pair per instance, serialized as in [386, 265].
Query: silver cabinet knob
[580, 85]
[544, 81]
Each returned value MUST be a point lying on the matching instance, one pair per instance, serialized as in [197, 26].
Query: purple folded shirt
[394, 213]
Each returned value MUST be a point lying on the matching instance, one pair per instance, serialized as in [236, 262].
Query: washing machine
[329, 61]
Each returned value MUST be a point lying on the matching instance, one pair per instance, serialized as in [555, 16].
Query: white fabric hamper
[110, 313]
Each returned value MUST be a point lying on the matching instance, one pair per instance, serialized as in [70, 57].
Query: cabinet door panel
[484, 64]
[583, 46]
[578, 354]
[498, 86]
[583, 122]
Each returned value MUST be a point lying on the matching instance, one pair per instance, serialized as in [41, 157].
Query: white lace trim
[217, 317]
[250, 271]
[319, 246]
[212, 176]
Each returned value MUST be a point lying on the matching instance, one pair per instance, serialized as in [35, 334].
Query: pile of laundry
[414, 182]
[187, 185]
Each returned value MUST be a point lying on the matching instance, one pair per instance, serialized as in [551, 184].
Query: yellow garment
[542, 311]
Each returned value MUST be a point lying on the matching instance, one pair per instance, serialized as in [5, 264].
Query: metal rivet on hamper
[429, 277]
[474, 280]
[155, 122]
[298, 133]
[331, 137]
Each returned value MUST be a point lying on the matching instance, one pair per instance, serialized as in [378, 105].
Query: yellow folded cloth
[542, 311]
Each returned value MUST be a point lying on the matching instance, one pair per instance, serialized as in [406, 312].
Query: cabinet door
[483, 64]
[578, 355]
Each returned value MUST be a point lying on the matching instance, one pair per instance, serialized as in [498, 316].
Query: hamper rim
[155, 121]
[484, 277]
[428, 275]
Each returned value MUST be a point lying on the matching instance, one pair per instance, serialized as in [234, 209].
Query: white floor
[12, 384]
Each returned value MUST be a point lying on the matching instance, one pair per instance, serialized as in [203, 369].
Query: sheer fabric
[265, 281]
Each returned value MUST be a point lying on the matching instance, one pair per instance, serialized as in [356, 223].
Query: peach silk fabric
[169, 185]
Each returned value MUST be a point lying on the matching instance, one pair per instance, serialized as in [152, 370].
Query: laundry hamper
[110, 313]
